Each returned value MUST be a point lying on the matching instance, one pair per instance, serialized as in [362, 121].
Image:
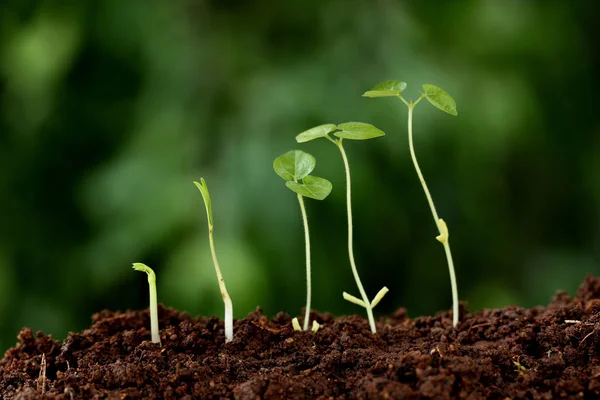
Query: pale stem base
[154, 311]
[224, 294]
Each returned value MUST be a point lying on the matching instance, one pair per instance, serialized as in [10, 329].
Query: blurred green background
[110, 109]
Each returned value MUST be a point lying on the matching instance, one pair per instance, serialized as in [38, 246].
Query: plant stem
[441, 225]
[308, 280]
[224, 294]
[153, 308]
[350, 249]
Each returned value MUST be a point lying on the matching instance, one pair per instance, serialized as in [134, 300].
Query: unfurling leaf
[206, 197]
[357, 131]
[312, 187]
[440, 99]
[387, 88]
[315, 133]
[294, 165]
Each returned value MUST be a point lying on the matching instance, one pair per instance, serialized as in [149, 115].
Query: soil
[548, 352]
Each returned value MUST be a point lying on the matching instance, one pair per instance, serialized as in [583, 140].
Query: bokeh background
[110, 109]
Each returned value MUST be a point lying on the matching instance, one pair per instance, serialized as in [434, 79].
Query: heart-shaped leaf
[315, 133]
[385, 89]
[357, 131]
[312, 187]
[294, 165]
[206, 197]
[440, 99]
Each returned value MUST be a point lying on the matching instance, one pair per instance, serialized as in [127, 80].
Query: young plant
[442, 100]
[294, 167]
[350, 131]
[226, 299]
[153, 301]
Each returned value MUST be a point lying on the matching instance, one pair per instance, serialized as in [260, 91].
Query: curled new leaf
[315, 133]
[294, 165]
[440, 99]
[387, 88]
[312, 187]
[357, 131]
[206, 197]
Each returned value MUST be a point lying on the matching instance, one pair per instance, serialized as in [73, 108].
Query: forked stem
[224, 294]
[363, 294]
[440, 224]
[308, 273]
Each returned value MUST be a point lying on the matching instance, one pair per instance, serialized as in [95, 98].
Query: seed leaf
[357, 131]
[144, 268]
[440, 99]
[387, 88]
[206, 197]
[315, 133]
[294, 165]
[312, 187]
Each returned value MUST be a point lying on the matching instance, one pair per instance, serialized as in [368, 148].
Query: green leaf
[387, 88]
[315, 133]
[440, 99]
[294, 165]
[206, 197]
[357, 131]
[312, 187]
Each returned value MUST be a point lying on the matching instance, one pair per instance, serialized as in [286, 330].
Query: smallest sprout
[153, 301]
[296, 324]
[315, 326]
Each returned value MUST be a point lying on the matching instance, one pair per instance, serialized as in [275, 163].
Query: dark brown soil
[516, 353]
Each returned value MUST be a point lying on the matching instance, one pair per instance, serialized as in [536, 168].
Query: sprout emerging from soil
[296, 324]
[350, 131]
[153, 300]
[442, 100]
[226, 299]
[294, 167]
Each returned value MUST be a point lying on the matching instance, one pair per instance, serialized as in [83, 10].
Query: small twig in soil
[262, 325]
[590, 334]
[42, 377]
[478, 326]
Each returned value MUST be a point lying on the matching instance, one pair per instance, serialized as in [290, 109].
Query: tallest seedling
[350, 131]
[442, 100]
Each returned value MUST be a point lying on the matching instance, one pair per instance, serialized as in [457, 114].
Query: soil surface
[541, 353]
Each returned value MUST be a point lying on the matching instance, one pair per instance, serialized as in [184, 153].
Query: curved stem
[308, 280]
[441, 225]
[350, 248]
[224, 294]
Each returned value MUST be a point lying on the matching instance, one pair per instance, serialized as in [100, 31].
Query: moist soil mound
[548, 352]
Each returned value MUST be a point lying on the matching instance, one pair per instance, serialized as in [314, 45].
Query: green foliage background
[110, 109]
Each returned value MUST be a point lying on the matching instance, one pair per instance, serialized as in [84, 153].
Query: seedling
[294, 167]
[153, 301]
[350, 131]
[226, 299]
[442, 100]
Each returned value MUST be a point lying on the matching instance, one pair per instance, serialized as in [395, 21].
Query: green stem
[224, 294]
[350, 249]
[308, 281]
[153, 309]
[443, 238]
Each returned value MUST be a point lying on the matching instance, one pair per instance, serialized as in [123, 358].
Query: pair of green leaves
[294, 167]
[347, 130]
[436, 96]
